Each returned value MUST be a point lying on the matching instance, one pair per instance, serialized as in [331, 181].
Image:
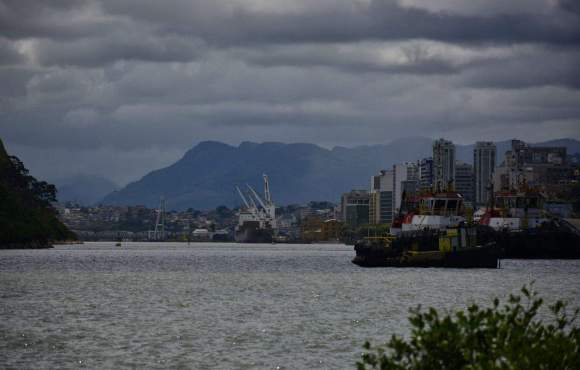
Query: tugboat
[435, 234]
[516, 220]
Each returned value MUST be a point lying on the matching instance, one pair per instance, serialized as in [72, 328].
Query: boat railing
[388, 238]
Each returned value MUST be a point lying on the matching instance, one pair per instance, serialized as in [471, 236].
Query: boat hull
[546, 242]
[250, 232]
[486, 256]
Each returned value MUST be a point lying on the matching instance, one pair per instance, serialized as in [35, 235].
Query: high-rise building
[464, 180]
[443, 165]
[544, 168]
[426, 174]
[381, 198]
[484, 159]
[355, 208]
[406, 180]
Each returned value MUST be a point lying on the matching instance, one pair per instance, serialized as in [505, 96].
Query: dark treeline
[27, 219]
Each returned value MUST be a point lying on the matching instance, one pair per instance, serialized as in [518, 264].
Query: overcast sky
[121, 87]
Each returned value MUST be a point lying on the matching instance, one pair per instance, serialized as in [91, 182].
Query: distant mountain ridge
[83, 189]
[206, 175]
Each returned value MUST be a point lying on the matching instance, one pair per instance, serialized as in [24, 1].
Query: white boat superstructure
[515, 210]
[435, 212]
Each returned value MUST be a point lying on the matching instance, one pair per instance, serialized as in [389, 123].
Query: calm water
[227, 306]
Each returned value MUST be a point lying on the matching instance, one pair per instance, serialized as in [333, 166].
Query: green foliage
[27, 217]
[508, 336]
[16, 176]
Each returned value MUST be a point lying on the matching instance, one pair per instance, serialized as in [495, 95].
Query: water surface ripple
[227, 306]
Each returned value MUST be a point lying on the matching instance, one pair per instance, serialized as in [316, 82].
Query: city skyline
[120, 87]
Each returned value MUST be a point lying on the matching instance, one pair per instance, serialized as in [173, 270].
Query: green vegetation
[28, 219]
[508, 336]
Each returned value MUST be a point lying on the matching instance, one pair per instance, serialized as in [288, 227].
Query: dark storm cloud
[130, 79]
[348, 22]
[546, 68]
[572, 6]
[231, 23]
[58, 19]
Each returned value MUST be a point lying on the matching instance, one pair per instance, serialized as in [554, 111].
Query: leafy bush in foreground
[508, 336]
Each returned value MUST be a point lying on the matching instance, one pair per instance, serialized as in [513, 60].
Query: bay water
[229, 306]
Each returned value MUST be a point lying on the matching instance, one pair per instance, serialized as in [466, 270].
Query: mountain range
[206, 176]
[83, 189]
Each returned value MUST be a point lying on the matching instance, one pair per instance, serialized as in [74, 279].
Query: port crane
[256, 208]
[159, 233]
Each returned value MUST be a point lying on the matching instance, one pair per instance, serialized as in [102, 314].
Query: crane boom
[267, 196]
[256, 196]
[243, 197]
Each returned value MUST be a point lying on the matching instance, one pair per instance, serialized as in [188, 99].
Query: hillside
[28, 220]
[206, 175]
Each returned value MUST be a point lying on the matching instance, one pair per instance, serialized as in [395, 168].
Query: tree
[508, 336]
[28, 219]
[17, 176]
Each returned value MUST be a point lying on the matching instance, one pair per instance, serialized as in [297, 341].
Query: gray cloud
[95, 52]
[58, 19]
[86, 83]
[572, 6]
[345, 22]
[9, 54]
[529, 69]
[359, 58]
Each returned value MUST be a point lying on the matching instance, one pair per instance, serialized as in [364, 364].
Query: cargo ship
[257, 218]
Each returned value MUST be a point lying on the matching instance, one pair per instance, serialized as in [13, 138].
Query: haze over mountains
[84, 189]
[206, 175]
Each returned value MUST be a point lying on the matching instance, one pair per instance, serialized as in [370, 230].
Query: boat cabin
[519, 204]
[442, 204]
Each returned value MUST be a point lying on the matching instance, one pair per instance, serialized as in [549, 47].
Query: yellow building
[315, 229]
[332, 229]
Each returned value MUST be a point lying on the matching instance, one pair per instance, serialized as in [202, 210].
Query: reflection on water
[226, 305]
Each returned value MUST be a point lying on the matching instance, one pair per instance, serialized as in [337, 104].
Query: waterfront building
[381, 198]
[464, 181]
[484, 158]
[201, 235]
[332, 229]
[542, 168]
[355, 208]
[426, 174]
[405, 180]
[311, 229]
[443, 165]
